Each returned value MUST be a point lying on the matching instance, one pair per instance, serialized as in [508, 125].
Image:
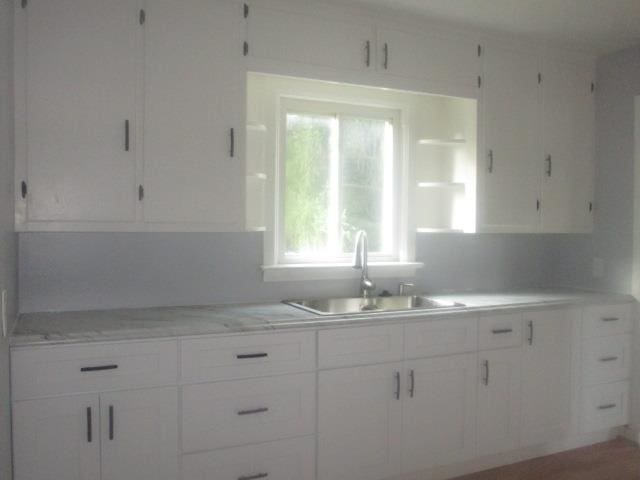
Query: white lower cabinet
[124, 435]
[56, 438]
[439, 412]
[292, 459]
[360, 422]
[546, 376]
[605, 406]
[499, 400]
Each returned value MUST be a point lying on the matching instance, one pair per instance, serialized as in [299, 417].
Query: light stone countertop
[158, 322]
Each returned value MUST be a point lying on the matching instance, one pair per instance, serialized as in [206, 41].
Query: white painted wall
[7, 236]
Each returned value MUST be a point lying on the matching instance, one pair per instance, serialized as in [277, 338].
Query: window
[338, 174]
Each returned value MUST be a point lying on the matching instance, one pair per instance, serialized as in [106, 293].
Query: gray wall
[7, 236]
[66, 271]
[618, 81]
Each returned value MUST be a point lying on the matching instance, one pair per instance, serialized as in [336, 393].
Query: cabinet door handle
[499, 331]
[243, 356]
[610, 319]
[89, 425]
[253, 477]
[530, 337]
[549, 165]
[126, 135]
[609, 359]
[232, 142]
[607, 406]
[98, 368]
[111, 419]
[253, 411]
[385, 49]
[490, 156]
[367, 53]
[412, 383]
[396, 393]
[485, 377]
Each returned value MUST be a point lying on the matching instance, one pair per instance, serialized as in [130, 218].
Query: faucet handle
[402, 288]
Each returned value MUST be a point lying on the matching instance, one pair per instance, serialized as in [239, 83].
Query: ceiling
[600, 26]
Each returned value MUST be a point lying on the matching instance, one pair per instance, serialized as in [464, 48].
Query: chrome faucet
[361, 261]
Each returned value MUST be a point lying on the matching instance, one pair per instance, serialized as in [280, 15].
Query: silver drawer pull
[498, 331]
[608, 359]
[608, 406]
[610, 319]
[98, 368]
[253, 477]
[242, 356]
[253, 411]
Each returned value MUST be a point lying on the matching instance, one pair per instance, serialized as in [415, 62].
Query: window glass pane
[363, 162]
[307, 171]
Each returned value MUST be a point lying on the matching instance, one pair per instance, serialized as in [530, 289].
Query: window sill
[333, 271]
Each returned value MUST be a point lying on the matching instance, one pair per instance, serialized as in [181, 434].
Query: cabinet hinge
[246, 10]
[140, 192]
[539, 78]
[23, 3]
[479, 50]
[245, 49]
[593, 87]
[142, 17]
[23, 189]
[538, 204]
[479, 81]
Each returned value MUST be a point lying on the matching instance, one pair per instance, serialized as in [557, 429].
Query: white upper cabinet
[194, 113]
[508, 168]
[75, 110]
[432, 57]
[289, 36]
[568, 131]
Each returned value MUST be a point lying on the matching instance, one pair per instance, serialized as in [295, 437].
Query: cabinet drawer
[359, 346]
[227, 414]
[66, 369]
[282, 460]
[605, 406]
[500, 331]
[606, 359]
[242, 356]
[600, 321]
[441, 337]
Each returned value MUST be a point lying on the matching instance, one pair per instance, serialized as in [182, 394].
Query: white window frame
[399, 263]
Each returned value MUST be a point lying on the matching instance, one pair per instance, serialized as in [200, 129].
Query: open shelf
[439, 230]
[453, 185]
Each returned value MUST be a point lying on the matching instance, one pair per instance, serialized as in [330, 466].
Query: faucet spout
[361, 262]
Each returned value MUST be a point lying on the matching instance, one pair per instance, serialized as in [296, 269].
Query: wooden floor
[615, 460]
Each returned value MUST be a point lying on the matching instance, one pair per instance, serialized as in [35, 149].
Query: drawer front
[67, 369]
[441, 337]
[600, 321]
[227, 414]
[282, 460]
[500, 331]
[605, 406]
[359, 346]
[606, 359]
[242, 356]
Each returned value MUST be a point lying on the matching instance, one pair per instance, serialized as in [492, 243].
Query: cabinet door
[80, 62]
[546, 376]
[194, 113]
[433, 57]
[439, 412]
[508, 169]
[306, 39]
[499, 401]
[359, 423]
[57, 438]
[140, 434]
[568, 139]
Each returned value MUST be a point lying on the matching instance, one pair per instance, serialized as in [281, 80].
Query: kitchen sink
[338, 306]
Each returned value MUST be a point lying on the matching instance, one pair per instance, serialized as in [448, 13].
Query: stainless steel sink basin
[337, 306]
